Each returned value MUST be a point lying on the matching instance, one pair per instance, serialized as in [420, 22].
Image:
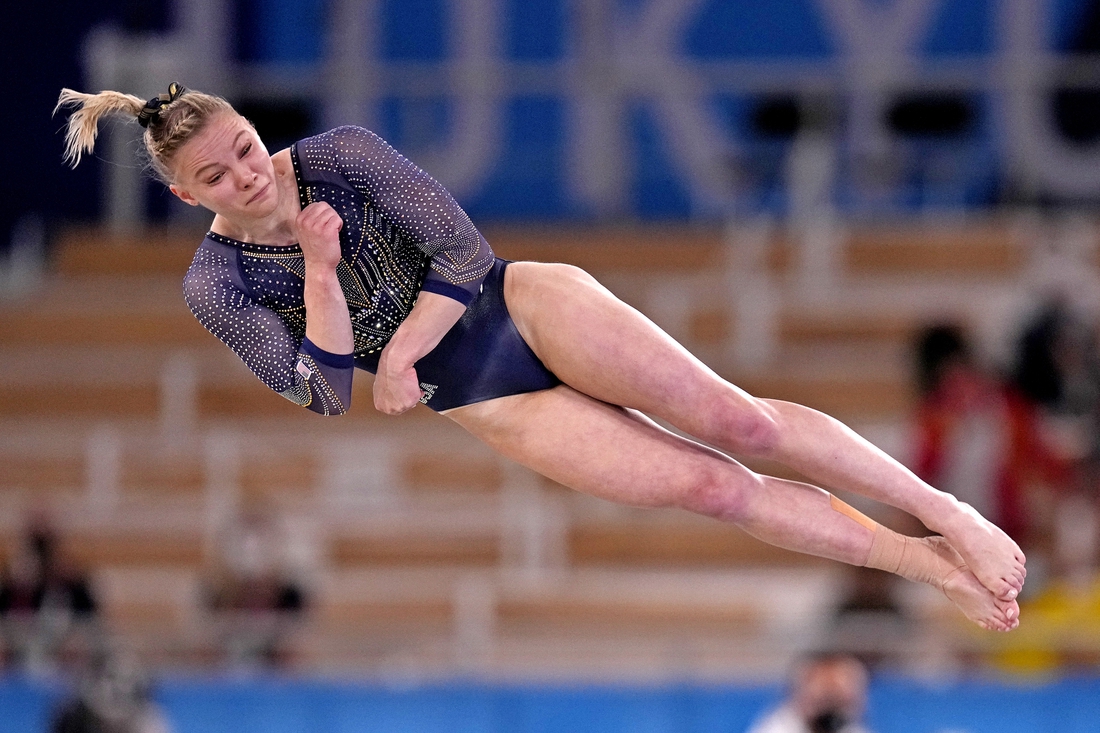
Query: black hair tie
[151, 110]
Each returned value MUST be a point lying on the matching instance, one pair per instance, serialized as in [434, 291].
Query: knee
[748, 427]
[717, 493]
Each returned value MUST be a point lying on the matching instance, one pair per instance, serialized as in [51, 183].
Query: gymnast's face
[226, 169]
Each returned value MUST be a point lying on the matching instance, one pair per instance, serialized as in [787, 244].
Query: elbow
[329, 407]
[322, 402]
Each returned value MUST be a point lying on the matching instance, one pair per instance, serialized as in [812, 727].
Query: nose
[246, 178]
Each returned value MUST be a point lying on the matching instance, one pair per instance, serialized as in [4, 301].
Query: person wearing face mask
[828, 694]
[339, 253]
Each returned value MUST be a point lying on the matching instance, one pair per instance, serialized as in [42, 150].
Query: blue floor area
[281, 706]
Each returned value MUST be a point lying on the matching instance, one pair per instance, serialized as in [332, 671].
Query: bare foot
[992, 556]
[975, 600]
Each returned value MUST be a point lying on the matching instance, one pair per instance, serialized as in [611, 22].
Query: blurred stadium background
[826, 200]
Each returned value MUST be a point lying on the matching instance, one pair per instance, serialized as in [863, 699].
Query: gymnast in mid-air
[339, 253]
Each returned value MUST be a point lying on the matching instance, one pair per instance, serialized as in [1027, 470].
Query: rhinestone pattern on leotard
[402, 233]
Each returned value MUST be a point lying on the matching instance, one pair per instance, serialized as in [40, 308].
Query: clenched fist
[318, 228]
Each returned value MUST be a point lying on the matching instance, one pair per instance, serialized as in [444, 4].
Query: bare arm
[396, 388]
[328, 323]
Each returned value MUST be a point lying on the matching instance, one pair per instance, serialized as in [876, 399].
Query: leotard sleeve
[299, 370]
[411, 200]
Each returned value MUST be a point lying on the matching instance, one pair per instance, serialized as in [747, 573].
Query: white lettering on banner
[464, 160]
[596, 152]
[351, 78]
[1035, 153]
[879, 43]
[648, 49]
[887, 31]
[618, 58]
[621, 59]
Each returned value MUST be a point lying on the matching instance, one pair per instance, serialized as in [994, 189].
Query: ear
[183, 196]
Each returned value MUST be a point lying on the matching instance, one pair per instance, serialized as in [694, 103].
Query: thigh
[601, 449]
[604, 348]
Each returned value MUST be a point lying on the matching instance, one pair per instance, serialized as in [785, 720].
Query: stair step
[92, 549]
[989, 248]
[664, 542]
[855, 398]
[981, 246]
[805, 328]
[412, 549]
[162, 329]
[82, 252]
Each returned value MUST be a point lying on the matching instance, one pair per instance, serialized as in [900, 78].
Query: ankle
[940, 511]
[920, 559]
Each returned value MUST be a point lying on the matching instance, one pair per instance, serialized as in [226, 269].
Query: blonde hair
[179, 117]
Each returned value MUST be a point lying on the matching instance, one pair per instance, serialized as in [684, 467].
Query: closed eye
[247, 149]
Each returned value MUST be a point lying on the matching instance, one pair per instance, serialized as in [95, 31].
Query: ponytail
[170, 120]
[83, 127]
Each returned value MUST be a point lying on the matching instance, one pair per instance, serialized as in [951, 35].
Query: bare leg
[622, 456]
[825, 449]
[605, 349]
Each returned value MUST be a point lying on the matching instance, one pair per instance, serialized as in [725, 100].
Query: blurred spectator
[113, 697]
[968, 442]
[997, 444]
[1057, 379]
[870, 591]
[828, 694]
[44, 602]
[869, 616]
[1058, 371]
[254, 591]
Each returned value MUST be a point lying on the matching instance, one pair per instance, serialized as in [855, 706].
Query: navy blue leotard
[403, 234]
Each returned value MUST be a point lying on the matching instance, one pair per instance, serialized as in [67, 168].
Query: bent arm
[396, 388]
[308, 374]
[328, 322]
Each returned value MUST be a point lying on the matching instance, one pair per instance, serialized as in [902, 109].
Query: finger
[325, 222]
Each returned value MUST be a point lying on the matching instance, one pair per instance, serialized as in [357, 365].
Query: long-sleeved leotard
[402, 233]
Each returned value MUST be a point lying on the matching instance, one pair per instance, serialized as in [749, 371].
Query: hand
[318, 227]
[395, 390]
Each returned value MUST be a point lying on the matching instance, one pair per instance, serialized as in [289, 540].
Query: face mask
[829, 721]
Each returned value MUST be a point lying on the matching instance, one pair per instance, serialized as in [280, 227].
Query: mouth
[259, 193]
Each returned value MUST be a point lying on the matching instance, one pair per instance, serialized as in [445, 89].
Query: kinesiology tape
[922, 559]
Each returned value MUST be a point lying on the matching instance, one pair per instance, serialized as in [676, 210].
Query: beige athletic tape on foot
[852, 513]
[921, 559]
[924, 560]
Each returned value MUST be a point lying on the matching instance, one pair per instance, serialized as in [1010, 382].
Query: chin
[264, 207]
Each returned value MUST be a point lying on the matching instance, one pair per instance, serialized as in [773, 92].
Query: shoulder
[338, 139]
[339, 156]
[350, 157]
[210, 270]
